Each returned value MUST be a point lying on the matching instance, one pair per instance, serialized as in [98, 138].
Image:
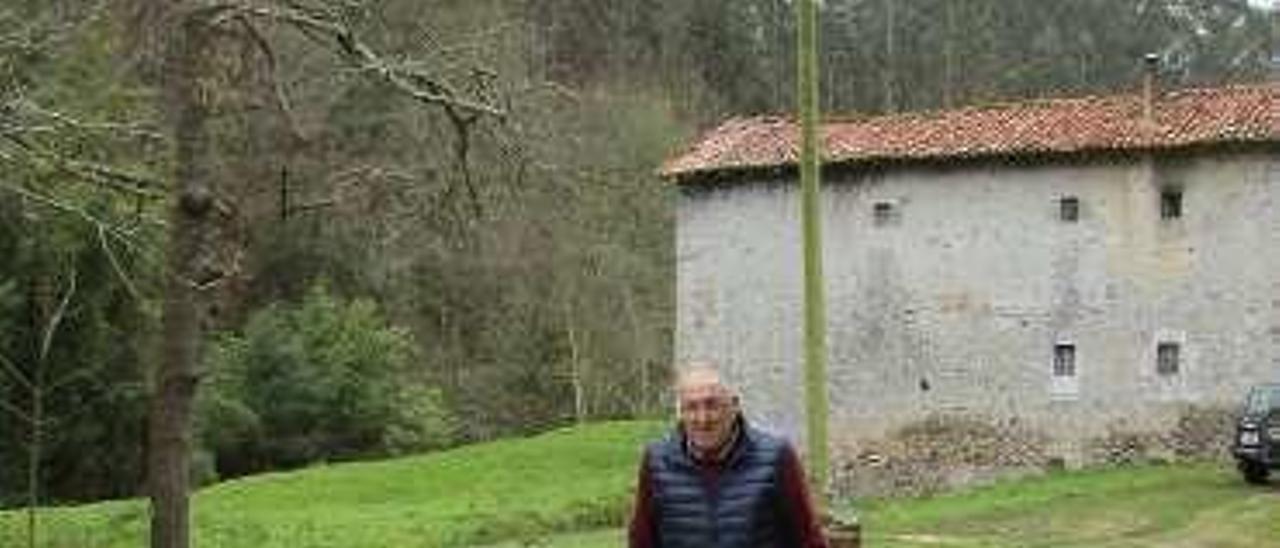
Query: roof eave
[737, 173]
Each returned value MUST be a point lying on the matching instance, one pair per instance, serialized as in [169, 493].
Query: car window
[1264, 399]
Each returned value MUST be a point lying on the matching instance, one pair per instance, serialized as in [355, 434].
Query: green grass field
[1182, 506]
[1147, 506]
[570, 488]
[513, 489]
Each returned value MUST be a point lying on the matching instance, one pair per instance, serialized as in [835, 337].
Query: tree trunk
[191, 270]
[50, 318]
[42, 294]
[575, 371]
[639, 354]
[33, 463]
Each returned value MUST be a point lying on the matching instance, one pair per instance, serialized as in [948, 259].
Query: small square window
[1069, 209]
[1167, 358]
[1171, 203]
[1064, 360]
[883, 213]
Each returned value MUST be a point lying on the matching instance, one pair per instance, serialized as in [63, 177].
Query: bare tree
[38, 387]
[193, 32]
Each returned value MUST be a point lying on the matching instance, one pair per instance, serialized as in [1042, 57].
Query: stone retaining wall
[943, 452]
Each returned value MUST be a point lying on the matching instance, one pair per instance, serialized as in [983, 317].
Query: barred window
[884, 213]
[1171, 203]
[1069, 209]
[1064, 360]
[1167, 358]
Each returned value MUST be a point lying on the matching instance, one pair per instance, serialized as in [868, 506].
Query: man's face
[707, 412]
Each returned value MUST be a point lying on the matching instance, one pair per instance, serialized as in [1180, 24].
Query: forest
[330, 230]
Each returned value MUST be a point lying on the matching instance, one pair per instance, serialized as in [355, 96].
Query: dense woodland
[427, 222]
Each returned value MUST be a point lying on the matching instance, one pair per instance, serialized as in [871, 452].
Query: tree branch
[115, 232]
[52, 327]
[133, 130]
[281, 98]
[412, 82]
[462, 148]
[68, 378]
[115, 264]
[16, 373]
[16, 411]
[116, 179]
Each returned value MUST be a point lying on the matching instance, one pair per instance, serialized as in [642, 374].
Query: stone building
[1009, 287]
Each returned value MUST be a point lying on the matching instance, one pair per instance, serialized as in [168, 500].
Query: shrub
[321, 380]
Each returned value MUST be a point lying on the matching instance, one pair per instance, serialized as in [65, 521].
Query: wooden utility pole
[1273, 51]
[890, 57]
[815, 323]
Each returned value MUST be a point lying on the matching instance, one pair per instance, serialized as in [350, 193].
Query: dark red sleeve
[643, 530]
[795, 492]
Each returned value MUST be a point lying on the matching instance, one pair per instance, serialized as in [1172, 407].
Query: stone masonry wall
[942, 452]
[944, 312]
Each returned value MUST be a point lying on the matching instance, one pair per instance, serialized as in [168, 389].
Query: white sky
[1265, 3]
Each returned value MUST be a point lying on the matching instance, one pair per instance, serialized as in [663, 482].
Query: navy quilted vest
[742, 509]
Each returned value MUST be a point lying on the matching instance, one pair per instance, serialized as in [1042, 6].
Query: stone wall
[943, 316]
[942, 451]
[937, 453]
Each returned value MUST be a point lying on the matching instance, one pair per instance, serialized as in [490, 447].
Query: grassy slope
[567, 479]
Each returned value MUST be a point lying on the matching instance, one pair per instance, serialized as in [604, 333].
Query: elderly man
[717, 482]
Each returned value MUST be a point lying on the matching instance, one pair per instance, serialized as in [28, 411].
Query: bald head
[707, 407]
[701, 375]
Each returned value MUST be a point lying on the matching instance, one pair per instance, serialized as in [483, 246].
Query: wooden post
[844, 535]
[815, 325]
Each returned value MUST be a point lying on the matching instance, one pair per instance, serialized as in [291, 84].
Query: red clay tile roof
[1234, 114]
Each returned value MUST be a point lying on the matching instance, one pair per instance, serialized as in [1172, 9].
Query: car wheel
[1254, 473]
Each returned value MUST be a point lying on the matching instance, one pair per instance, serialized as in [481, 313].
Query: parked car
[1257, 442]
